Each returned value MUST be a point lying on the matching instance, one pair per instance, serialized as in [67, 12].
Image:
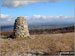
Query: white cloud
[8, 20]
[36, 16]
[17, 3]
[49, 17]
[26, 16]
[4, 16]
[63, 17]
[44, 17]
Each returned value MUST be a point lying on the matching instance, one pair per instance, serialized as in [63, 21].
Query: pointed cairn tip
[20, 17]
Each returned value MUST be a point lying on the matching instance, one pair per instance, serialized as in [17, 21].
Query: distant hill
[44, 31]
[53, 31]
[9, 28]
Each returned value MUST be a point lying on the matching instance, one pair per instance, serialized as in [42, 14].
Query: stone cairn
[20, 28]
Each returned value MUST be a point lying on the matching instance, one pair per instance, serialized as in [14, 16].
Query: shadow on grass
[7, 37]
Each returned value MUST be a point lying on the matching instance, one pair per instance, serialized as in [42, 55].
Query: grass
[47, 43]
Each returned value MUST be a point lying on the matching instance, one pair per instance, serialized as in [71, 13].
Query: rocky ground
[38, 44]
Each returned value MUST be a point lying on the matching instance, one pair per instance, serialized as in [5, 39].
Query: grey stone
[20, 27]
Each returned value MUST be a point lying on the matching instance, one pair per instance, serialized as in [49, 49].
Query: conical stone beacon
[20, 27]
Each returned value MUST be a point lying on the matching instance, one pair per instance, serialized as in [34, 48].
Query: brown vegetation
[56, 30]
[47, 43]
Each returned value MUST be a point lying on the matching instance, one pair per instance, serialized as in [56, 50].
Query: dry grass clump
[19, 38]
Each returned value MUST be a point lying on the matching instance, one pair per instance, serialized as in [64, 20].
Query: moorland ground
[47, 43]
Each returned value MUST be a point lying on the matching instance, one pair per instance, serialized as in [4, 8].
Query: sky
[37, 11]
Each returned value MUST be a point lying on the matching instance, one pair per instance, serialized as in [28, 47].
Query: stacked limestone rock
[20, 27]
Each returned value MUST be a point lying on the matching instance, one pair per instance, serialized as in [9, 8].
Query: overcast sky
[37, 11]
